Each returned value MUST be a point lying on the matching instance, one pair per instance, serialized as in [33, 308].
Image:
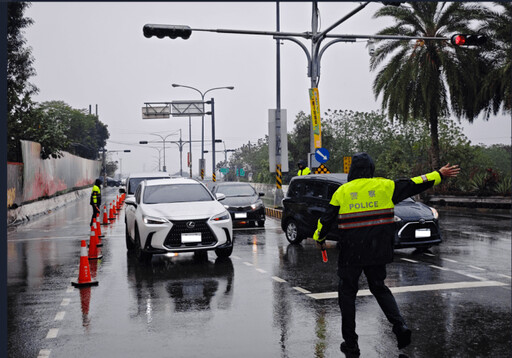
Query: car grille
[407, 232]
[173, 239]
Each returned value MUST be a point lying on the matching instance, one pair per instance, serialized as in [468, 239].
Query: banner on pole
[315, 116]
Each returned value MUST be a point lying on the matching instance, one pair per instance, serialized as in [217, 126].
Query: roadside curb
[492, 202]
[28, 211]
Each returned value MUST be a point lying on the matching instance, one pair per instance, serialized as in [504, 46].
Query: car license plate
[421, 233]
[240, 215]
[190, 238]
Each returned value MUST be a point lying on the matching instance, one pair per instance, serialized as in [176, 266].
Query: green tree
[75, 131]
[422, 78]
[19, 71]
[495, 90]
[252, 158]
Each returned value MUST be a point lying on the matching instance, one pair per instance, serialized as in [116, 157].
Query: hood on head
[362, 167]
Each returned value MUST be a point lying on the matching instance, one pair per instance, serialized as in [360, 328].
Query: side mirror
[220, 196]
[261, 194]
[122, 190]
[130, 201]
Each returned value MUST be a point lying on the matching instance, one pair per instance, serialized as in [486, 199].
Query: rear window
[236, 190]
[176, 193]
[133, 182]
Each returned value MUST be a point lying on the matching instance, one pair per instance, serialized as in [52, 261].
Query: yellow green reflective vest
[96, 192]
[304, 171]
[364, 202]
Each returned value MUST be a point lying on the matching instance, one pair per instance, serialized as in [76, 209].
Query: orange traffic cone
[93, 250]
[94, 228]
[105, 216]
[98, 230]
[114, 204]
[84, 275]
[111, 213]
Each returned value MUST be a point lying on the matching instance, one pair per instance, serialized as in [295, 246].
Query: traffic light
[467, 40]
[172, 31]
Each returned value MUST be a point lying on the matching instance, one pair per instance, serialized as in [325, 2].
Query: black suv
[308, 198]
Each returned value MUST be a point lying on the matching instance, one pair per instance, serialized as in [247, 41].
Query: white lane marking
[59, 316]
[261, 270]
[278, 279]
[419, 288]
[409, 260]
[248, 263]
[502, 275]
[301, 290]
[439, 268]
[429, 254]
[52, 333]
[44, 353]
[65, 301]
[450, 260]
[477, 268]
[70, 289]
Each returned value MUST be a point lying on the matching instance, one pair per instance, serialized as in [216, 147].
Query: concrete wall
[14, 184]
[45, 178]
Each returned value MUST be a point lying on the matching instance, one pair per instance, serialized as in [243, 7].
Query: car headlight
[226, 206]
[435, 213]
[397, 218]
[152, 220]
[256, 206]
[220, 217]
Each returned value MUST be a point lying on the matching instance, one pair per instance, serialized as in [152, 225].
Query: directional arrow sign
[322, 155]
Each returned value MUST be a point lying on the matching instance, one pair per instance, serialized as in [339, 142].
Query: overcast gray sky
[89, 53]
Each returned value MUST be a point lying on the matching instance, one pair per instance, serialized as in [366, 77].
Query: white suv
[176, 215]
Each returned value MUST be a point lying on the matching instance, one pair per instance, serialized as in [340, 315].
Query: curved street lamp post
[202, 121]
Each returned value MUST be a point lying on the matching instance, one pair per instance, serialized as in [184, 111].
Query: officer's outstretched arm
[416, 185]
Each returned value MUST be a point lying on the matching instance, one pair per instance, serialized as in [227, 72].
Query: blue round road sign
[322, 155]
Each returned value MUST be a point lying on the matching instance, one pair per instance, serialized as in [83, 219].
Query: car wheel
[261, 223]
[129, 243]
[139, 253]
[224, 252]
[293, 235]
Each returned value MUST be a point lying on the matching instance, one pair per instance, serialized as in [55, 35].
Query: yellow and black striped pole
[202, 174]
[213, 177]
[279, 177]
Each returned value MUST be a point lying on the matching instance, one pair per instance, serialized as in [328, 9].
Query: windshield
[134, 182]
[176, 193]
[236, 190]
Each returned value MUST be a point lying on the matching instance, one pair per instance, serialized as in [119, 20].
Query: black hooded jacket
[370, 245]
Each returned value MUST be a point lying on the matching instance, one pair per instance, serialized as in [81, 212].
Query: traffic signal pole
[313, 57]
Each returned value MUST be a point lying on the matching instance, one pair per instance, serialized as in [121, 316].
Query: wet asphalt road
[270, 299]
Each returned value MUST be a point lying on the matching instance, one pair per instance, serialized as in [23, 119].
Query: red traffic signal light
[172, 31]
[467, 40]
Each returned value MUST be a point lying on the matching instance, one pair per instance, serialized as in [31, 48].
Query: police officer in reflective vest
[363, 210]
[95, 199]
[303, 169]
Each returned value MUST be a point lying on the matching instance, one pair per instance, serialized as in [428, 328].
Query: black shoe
[403, 335]
[352, 350]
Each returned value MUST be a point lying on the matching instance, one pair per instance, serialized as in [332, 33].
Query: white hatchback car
[176, 215]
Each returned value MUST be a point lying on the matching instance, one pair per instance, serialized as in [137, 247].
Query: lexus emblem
[191, 224]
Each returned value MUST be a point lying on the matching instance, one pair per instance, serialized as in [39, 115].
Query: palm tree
[495, 91]
[424, 78]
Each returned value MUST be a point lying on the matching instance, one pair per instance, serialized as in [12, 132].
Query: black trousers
[95, 211]
[347, 291]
